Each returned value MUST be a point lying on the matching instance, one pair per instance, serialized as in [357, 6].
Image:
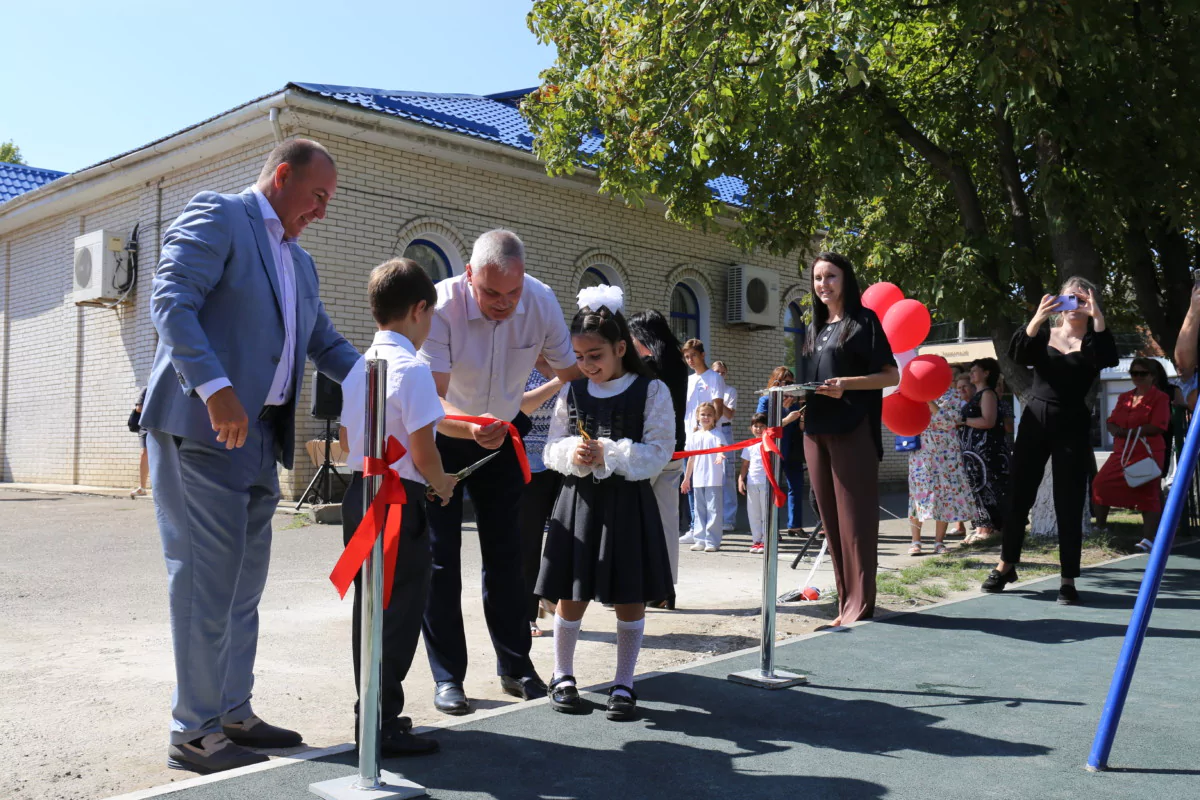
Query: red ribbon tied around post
[518, 443]
[385, 512]
[769, 443]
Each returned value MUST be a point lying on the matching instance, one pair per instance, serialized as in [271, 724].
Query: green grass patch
[297, 522]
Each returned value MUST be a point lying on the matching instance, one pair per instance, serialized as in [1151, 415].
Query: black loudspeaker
[326, 397]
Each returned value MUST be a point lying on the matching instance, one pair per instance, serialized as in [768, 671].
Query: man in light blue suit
[237, 306]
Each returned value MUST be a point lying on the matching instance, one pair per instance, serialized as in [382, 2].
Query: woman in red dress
[1149, 409]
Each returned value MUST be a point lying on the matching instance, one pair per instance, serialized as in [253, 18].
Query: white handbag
[1144, 469]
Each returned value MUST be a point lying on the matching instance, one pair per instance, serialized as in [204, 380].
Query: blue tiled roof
[493, 118]
[18, 179]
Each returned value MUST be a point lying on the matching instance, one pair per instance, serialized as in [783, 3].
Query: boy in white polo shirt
[402, 301]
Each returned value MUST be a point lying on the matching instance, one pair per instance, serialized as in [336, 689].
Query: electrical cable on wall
[130, 262]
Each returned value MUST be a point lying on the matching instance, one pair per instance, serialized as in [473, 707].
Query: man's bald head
[298, 153]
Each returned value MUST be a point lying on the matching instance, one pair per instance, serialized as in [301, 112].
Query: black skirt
[605, 543]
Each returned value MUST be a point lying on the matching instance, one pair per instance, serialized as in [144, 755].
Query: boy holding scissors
[402, 299]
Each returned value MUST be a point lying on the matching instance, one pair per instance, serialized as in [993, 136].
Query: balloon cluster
[922, 378]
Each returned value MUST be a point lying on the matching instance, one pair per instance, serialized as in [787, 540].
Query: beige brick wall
[70, 374]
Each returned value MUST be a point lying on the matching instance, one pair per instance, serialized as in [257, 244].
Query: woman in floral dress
[985, 449]
[937, 483]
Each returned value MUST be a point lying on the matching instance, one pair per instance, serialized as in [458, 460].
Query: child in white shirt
[752, 482]
[402, 300]
[705, 476]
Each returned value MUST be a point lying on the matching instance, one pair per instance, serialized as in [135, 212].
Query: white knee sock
[566, 635]
[629, 645]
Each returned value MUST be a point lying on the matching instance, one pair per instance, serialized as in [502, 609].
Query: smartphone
[1196, 277]
[1067, 302]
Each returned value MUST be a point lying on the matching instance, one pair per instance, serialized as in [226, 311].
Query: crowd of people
[565, 435]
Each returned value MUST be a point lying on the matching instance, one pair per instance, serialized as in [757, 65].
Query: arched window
[685, 313]
[431, 257]
[794, 332]
[593, 276]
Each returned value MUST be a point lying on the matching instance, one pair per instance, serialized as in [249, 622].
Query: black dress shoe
[531, 687]
[564, 696]
[996, 580]
[1068, 595]
[449, 698]
[253, 732]
[621, 707]
[211, 753]
[396, 740]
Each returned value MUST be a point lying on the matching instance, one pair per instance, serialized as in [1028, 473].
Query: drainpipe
[273, 115]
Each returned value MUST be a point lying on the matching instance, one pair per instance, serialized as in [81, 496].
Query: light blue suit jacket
[216, 304]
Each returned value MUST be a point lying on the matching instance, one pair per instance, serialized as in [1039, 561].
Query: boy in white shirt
[752, 482]
[402, 301]
[704, 477]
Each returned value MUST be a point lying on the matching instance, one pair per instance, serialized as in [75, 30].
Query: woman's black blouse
[1061, 381]
[865, 352]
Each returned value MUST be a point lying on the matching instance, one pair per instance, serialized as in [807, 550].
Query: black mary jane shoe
[564, 696]
[1068, 595]
[621, 707]
[996, 580]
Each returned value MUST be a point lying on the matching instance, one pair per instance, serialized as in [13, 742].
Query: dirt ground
[85, 658]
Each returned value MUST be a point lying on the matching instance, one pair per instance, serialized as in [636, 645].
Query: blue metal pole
[1136, 633]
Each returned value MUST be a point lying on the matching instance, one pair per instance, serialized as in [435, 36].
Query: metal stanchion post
[766, 676]
[370, 783]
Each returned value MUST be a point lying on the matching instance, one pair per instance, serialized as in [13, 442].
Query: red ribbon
[518, 444]
[769, 443]
[380, 514]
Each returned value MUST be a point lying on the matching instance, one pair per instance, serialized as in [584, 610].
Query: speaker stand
[326, 473]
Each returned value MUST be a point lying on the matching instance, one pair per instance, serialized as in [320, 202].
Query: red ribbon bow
[386, 512]
[518, 444]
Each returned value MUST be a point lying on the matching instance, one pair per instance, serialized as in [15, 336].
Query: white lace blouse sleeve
[639, 461]
[559, 446]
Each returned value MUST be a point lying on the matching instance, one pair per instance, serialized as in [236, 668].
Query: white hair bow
[593, 297]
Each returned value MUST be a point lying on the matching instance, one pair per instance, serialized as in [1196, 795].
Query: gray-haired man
[490, 325]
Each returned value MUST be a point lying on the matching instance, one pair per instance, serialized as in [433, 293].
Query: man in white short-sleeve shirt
[704, 386]
[490, 325]
[725, 430]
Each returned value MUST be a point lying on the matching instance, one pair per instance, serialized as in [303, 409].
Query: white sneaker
[726, 528]
[697, 547]
[711, 549]
[687, 538]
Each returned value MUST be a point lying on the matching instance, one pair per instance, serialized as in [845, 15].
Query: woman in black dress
[1056, 425]
[984, 448]
[848, 351]
[661, 352]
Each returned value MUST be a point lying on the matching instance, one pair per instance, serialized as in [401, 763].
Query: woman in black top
[848, 351]
[659, 349]
[1056, 425]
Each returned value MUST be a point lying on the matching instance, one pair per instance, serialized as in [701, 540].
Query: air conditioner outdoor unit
[98, 258]
[752, 297]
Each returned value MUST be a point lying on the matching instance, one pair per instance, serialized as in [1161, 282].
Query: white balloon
[902, 359]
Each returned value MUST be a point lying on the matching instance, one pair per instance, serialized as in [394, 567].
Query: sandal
[915, 550]
[535, 631]
[564, 696]
[138, 492]
[940, 549]
[621, 707]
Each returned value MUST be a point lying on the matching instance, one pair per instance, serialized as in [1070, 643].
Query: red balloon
[904, 417]
[880, 297]
[925, 378]
[906, 324]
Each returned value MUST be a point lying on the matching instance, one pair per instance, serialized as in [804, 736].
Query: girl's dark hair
[652, 329]
[992, 367]
[612, 328]
[851, 301]
[1161, 381]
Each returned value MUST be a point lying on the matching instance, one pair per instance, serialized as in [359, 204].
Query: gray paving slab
[991, 697]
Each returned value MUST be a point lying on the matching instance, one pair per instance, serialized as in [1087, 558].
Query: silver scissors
[463, 473]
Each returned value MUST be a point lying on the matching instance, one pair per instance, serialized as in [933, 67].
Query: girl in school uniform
[612, 432]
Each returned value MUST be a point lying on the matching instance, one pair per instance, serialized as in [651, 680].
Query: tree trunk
[1175, 260]
[1022, 220]
[1146, 290]
[1074, 252]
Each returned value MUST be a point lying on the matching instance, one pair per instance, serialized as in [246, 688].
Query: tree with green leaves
[975, 153]
[10, 153]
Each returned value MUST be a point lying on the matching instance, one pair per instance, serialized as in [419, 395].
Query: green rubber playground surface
[995, 696]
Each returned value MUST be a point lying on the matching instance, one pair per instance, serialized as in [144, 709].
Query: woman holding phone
[846, 351]
[1056, 425]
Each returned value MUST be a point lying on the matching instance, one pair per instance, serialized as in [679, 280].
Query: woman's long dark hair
[851, 301]
[652, 329]
[612, 328]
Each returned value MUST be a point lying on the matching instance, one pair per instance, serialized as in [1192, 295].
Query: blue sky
[84, 81]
